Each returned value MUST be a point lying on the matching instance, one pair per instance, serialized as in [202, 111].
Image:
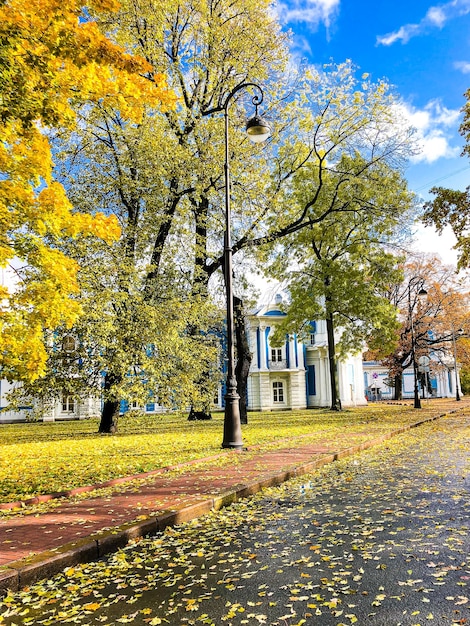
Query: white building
[296, 375]
[7, 414]
[293, 376]
[65, 408]
[377, 382]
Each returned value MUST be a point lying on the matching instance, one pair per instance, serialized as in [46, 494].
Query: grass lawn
[38, 458]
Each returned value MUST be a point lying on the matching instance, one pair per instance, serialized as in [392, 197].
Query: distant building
[292, 376]
[378, 386]
[64, 408]
[296, 375]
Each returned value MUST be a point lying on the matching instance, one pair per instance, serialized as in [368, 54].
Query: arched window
[69, 344]
[68, 403]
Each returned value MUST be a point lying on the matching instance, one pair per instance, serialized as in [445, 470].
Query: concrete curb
[19, 574]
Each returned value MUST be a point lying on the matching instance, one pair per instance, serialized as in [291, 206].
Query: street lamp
[459, 332]
[422, 293]
[258, 131]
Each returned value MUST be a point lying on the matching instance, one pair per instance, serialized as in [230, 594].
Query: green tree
[164, 177]
[142, 347]
[339, 140]
[451, 207]
[341, 266]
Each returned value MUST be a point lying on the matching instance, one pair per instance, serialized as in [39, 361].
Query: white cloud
[429, 241]
[435, 127]
[463, 66]
[301, 49]
[310, 12]
[436, 17]
[404, 33]
[435, 146]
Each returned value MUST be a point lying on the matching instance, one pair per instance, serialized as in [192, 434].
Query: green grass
[38, 458]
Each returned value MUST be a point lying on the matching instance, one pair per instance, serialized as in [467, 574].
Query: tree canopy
[52, 55]
[161, 173]
[435, 322]
[451, 207]
[162, 177]
[338, 269]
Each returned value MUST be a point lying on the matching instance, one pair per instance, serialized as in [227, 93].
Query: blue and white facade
[296, 375]
[65, 408]
[442, 378]
[292, 376]
[277, 374]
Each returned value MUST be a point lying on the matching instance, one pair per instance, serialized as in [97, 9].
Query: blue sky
[423, 49]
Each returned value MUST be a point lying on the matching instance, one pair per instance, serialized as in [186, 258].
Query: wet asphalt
[381, 538]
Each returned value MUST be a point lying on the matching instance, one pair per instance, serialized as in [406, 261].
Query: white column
[262, 343]
[300, 354]
[291, 352]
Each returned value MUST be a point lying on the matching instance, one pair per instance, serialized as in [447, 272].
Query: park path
[38, 541]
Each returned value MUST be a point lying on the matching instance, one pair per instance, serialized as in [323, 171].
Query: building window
[278, 391]
[69, 344]
[312, 339]
[276, 354]
[311, 381]
[68, 403]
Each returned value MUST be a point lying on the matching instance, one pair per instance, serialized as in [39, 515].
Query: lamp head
[258, 130]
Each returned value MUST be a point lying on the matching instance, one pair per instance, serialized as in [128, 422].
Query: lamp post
[422, 293]
[258, 130]
[457, 392]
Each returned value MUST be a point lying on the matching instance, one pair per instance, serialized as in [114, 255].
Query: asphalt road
[381, 538]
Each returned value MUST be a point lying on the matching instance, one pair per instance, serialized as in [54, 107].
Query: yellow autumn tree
[52, 56]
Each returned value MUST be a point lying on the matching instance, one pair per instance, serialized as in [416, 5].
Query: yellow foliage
[52, 56]
[16, 344]
[64, 455]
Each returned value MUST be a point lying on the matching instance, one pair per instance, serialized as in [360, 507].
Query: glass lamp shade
[258, 129]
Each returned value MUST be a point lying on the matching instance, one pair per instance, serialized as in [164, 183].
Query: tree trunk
[110, 412]
[200, 290]
[244, 357]
[335, 399]
[205, 414]
[203, 410]
[397, 391]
